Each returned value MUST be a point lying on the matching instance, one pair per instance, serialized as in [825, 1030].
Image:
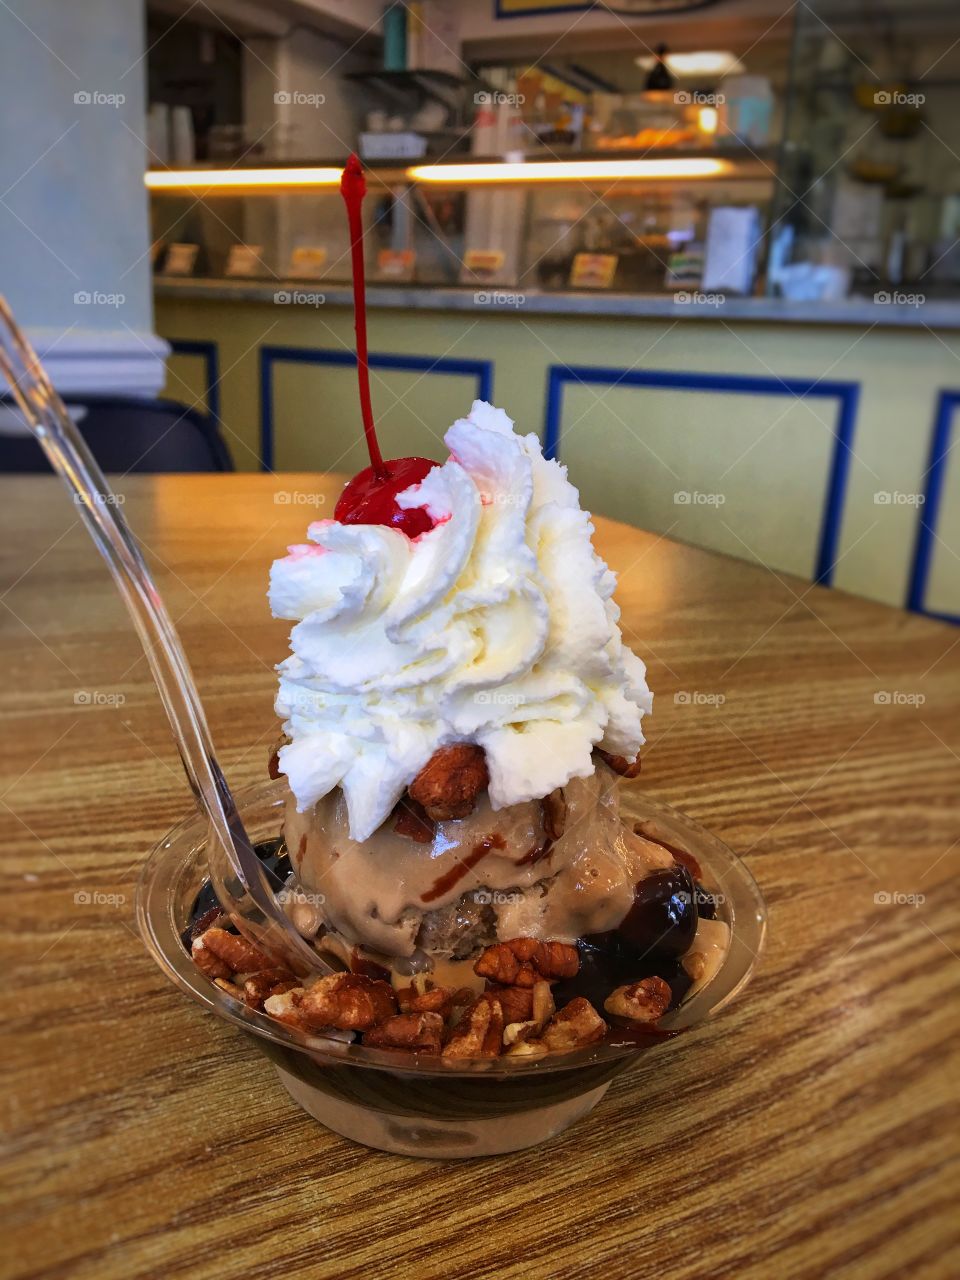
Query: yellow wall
[630, 449]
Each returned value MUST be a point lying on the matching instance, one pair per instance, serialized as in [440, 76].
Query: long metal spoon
[48, 419]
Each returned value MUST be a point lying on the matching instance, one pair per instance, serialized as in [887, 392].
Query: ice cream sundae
[459, 711]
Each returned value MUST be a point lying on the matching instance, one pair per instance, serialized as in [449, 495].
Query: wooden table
[809, 1131]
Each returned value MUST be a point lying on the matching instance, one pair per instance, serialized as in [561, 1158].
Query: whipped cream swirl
[497, 627]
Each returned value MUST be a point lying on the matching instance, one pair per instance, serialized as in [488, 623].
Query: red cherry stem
[353, 187]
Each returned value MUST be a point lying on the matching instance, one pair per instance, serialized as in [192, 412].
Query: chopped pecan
[554, 812]
[207, 962]
[242, 956]
[493, 1038]
[347, 1001]
[541, 1009]
[269, 982]
[643, 1001]
[419, 1032]
[429, 1000]
[620, 764]
[285, 1007]
[522, 961]
[542, 1005]
[230, 988]
[575, 1025]
[448, 784]
[556, 960]
[470, 1038]
[516, 1002]
[499, 964]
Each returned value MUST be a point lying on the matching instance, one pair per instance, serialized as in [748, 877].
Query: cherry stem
[353, 187]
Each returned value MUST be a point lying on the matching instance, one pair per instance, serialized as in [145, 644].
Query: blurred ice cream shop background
[709, 252]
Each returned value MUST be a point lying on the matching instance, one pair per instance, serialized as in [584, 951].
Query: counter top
[497, 299]
[808, 1131]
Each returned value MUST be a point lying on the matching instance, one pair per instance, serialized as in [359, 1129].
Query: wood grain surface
[809, 1131]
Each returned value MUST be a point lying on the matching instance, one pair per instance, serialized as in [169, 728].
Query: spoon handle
[256, 911]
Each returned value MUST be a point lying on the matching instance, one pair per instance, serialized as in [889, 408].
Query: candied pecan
[540, 1010]
[230, 988]
[643, 1001]
[620, 764]
[499, 964]
[207, 962]
[448, 784]
[242, 956]
[493, 1038]
[431, 1000]
[522, 961]
[420, 1032]
[542, 1004]
[557, 960]
[575, 1025]
[553, 810]
[516, 1002]
[269, 982]
[285, 1007]
[469, 1038]
[347, 1001]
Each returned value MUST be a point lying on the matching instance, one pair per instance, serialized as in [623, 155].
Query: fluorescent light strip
[568, 170]
[220, 179]
[456, 174]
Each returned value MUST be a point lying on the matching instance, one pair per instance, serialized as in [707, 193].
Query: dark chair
[126, 434]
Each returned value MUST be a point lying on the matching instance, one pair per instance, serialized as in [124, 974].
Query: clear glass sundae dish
[424, 1105]
[457, 821]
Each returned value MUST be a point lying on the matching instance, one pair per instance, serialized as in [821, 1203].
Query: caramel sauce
[443, 884]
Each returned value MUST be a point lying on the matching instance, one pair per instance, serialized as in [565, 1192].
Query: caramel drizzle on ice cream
[443, 884]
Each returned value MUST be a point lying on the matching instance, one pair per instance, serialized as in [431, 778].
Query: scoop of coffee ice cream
[494, 874]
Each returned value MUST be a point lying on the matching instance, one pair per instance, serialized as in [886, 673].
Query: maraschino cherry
[371, 496]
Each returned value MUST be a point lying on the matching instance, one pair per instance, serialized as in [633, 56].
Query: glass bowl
[416, 1104]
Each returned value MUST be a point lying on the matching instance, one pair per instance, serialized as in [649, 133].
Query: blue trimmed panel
[209, 354]
[928, 513]
[846, 393]
[482, 370]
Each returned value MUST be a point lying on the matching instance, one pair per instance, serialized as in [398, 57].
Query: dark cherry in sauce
[663, 918]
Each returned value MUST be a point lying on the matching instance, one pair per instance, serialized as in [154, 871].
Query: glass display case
[825, 169]
[629, 222]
